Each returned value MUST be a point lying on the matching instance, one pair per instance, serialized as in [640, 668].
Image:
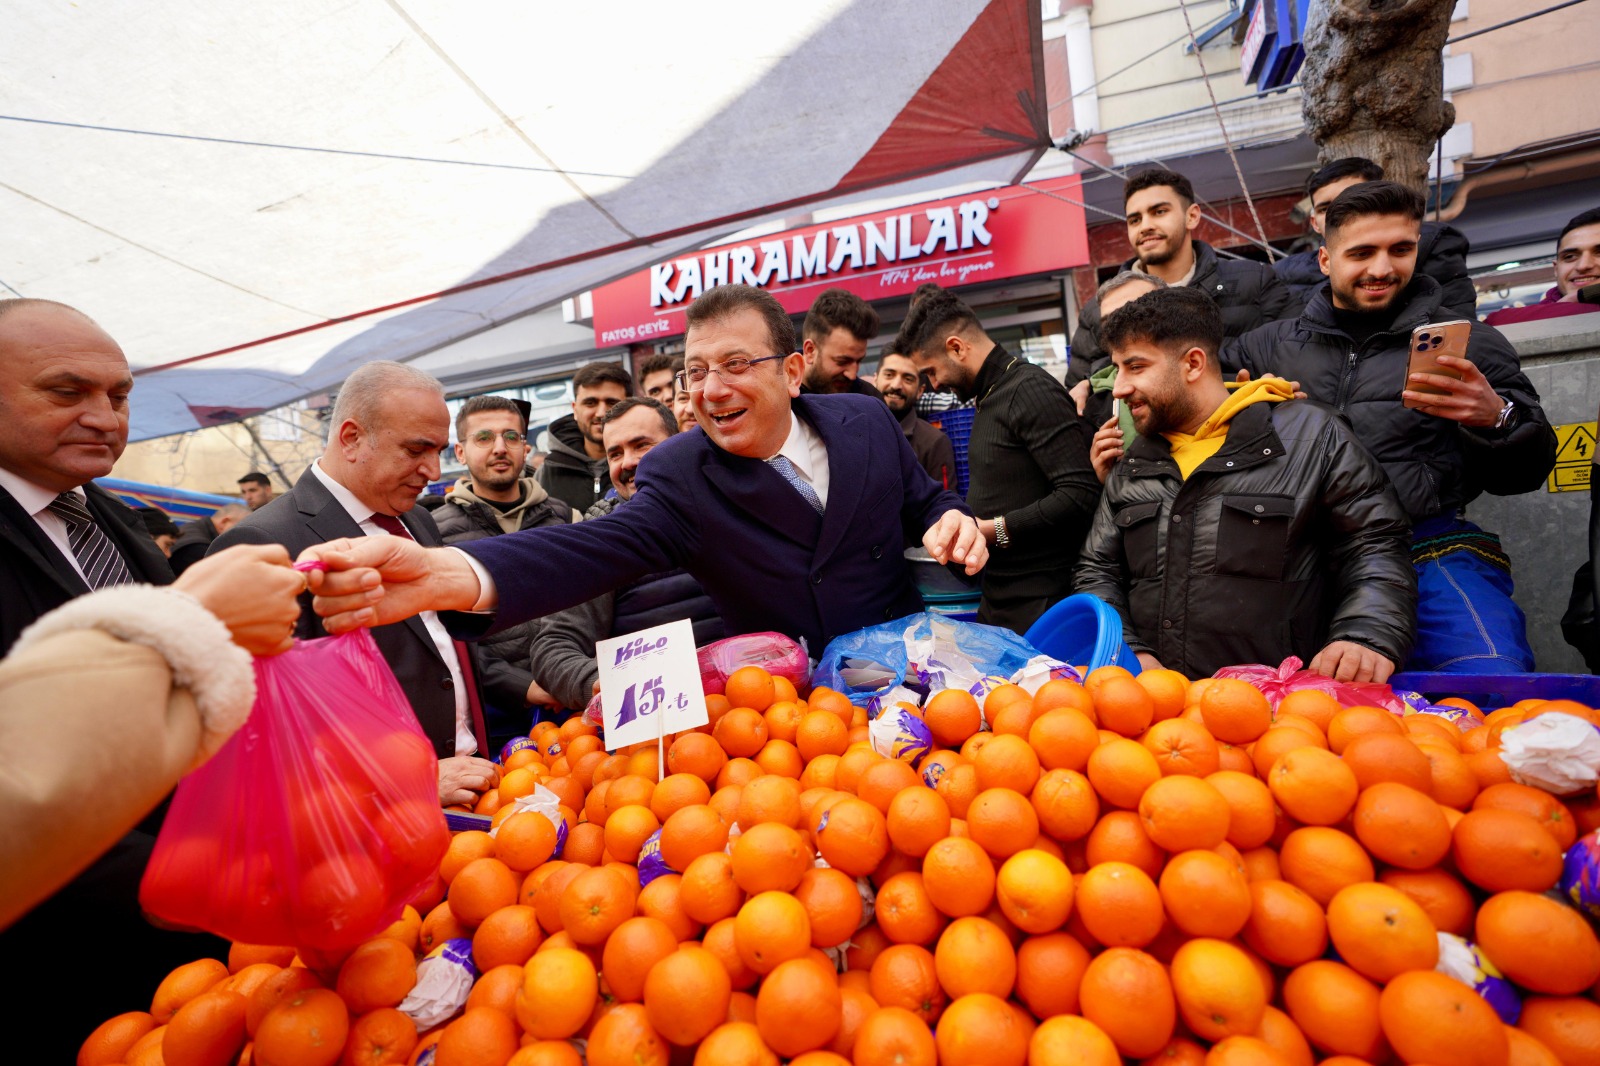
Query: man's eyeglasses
[485, 437]
[693, 379]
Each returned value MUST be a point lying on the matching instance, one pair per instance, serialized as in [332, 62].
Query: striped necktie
[782, 465]
[99, 559]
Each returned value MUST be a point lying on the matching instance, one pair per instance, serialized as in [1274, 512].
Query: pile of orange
[1136, 869]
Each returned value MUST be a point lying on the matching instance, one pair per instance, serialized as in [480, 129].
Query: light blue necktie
[782, 465]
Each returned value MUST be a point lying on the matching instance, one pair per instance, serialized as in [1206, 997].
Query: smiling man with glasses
[493, 499]
[793, 512]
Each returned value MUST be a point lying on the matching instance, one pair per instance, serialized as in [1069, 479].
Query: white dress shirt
[805, 450]
[36, 501]
[361, 514]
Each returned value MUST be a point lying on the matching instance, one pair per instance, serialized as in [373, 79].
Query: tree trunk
[1373, 81]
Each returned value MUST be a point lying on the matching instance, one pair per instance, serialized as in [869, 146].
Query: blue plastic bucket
[1083, 629]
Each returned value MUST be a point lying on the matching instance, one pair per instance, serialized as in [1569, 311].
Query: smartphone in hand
[1428, 342]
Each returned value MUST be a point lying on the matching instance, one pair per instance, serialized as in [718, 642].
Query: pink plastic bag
[1277, 683]
[318, 821]
[773, 652]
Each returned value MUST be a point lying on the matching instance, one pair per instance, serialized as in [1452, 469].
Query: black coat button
[877, 552]
[446, 683]
[816, 579]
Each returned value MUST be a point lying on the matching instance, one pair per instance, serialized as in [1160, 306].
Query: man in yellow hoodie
[1245, 526]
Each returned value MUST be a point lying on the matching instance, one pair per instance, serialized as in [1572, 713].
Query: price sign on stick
[650, 684]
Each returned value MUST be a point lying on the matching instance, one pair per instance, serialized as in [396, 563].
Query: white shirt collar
[32, 498]
[358, 511]
[797, 447]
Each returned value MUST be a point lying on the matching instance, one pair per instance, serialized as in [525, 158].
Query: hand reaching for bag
[252, 589]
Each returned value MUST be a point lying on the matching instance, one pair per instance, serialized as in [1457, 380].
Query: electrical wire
[1148, 55]
[1227, 143]
[1512, 22]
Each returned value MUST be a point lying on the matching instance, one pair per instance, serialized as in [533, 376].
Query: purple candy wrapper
[899, 734]
[651, 864]
[1463, 960]
[443, 980]
[1580, 874]
[514, 745]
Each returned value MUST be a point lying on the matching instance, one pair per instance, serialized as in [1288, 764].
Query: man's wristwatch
[1002, 539]
[1508, 417]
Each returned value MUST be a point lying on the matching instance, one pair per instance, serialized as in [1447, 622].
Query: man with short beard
[1350, 350]
[562, 655]
[575, 470]
[901, 385]
[834, 342]
[1032, 486]
[1162, 216]
[495, 498]
[1241, 527]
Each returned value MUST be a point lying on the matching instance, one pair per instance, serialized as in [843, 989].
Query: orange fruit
[207, 1029]
[691, 832]
[1128, 996]
[660, 899]
[736, 1044]
[558, 993]
[1380, 932]
[1001, 697]
[482, 887]
[697, 754]
[855, 1003]
[108, 1045]
[509, 936]
[917, 818]
[309, 1027]
[885, 779]
[1049, 972]
[957, 787]
[742, 732]
[750, 686]
[1313, 786]
[952, 716]
[1568, 1026]
[1285, 926]
[1119, 905]
[833, 906]
[1123, 706]
[1234, 711]
[1446, 901]
[905, 912]
[1063, 693]
[686, 995]
[1218, 991]
[905, 977]
[1277, 742]
[769, 856]
[241, 955]
[893, 1035]
[676, 791]
[380, 972]
[1120, 771]
[1337, 1009]
[974, 955]
[1320, 861]
[1204, 894]
[1375, 757]
[525, 841]
[1499, 850]
[959, 877]
[623, 1036]
[1034, 889]
[1400, 825]
[387, 1036]
[1516, 930]
[286, 982]
[983, 1028]
[479, 1035]
[1527, 1051]
[1065, 803]
[1063, 739]
[1251, 814]
[1007, 762]
[720, 940]
[184, 983]
[1544, 808]
[708, 891]
[821, 733]
[1183, 812]
[1121, 837]
[852, 836]
[594, 904]
[1354, 721]
[1002, 821]
[798, 1007]
[1428, 1017]
[771, 928]
[1182, 747]
[635, 946]
[1168, 689]
[1318, 707]
[1279, 1033]
[626, 831]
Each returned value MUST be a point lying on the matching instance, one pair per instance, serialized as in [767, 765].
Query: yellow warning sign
[1575, 443]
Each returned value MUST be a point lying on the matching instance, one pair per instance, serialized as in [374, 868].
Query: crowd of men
[1244, 462]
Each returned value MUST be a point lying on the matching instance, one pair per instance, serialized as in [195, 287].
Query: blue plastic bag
[915, 656]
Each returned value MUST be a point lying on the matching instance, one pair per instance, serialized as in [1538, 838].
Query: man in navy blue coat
[792, 511]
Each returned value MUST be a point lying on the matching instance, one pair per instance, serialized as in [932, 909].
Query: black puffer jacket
[568, 473]
[1441, 254]
[1285, 540]
[1247, 293]
[1437, 466]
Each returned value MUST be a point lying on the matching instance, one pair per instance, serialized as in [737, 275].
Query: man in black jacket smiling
[1032, 486]
[1243, 527]
[1485, 433]
[1162, 216]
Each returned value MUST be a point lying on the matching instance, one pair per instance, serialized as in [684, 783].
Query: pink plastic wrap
[318, 821]
[1277, 683]
[773, 652]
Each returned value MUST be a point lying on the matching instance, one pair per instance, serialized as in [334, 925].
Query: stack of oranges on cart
[1137, 869]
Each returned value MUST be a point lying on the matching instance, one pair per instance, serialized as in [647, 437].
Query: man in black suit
[793, 512]
[64, 388]
[388, 426]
